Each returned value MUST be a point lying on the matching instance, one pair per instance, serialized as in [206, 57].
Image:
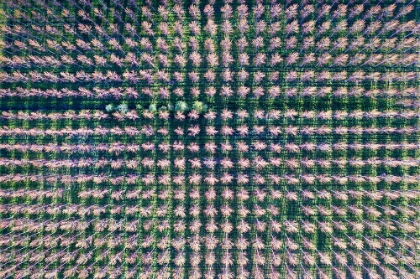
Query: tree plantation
[213, 139]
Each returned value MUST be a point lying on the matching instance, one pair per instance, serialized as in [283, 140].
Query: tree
[212, 60]
[243, 91]
[227, 58]
[181, 106]
[195, 58]
[259, 59]
[211, 27]
[199, 107]
[123, 108]
[210, 76]
[109, 107]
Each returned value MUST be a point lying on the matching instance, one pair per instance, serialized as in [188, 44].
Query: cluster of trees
[390, 255]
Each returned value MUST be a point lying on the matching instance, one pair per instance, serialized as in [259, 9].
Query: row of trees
[194, 130]
[226, 178]
[227, 76]
[224, 114]
[259, 91]
[70, 50]
[226, 194]
[212, 60]
[257, 163]
[117, 148]
[348, 211]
